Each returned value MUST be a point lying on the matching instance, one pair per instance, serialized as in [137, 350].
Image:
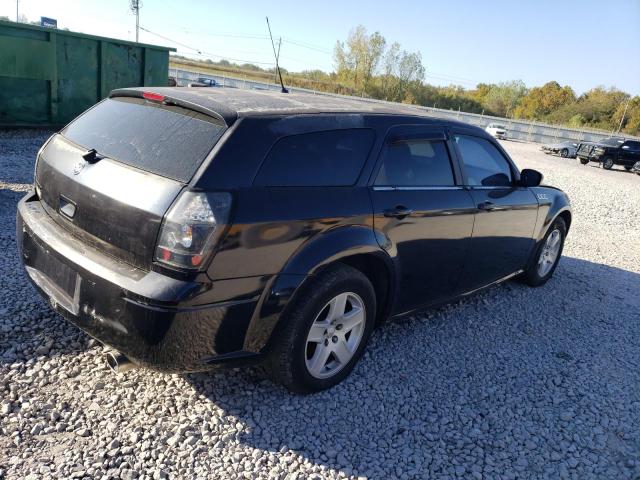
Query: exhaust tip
[118, 363]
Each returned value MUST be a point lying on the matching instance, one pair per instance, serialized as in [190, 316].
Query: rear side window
[319, 159]
[167, 140]
[416, 163]
[483, 163]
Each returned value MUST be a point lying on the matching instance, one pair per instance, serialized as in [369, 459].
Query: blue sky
[578, 43]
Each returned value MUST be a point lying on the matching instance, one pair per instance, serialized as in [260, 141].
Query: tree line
[368, 65]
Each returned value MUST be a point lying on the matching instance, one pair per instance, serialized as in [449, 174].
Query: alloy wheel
[335, 335]
[549, 253]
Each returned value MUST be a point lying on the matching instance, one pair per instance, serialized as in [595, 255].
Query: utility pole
[135, 6]
[17, 16]
[623, 115]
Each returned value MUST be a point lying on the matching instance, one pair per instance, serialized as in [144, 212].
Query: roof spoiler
[221, 113]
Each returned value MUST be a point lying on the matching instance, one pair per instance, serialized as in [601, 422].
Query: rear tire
[628, 168]
[584, 161]
[320, 343]
[607, 163]
[547, 255]
[564, 153]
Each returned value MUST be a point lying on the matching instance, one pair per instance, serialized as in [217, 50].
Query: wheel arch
[566, 216]
[355, 246]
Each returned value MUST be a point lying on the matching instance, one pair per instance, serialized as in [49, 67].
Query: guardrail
[517, 129]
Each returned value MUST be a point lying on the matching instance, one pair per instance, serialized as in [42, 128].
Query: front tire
[584, 161]
[325, 331]
[607, 163]
[628, 168]
[547, 255]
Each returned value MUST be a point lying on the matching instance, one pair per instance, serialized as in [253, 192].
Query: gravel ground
[512, 383]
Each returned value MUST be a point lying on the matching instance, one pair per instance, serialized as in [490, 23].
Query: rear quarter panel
[271, 224]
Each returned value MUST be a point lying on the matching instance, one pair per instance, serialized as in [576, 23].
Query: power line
[170, 40]
[201, 52]
[429, 74]
[308, 46]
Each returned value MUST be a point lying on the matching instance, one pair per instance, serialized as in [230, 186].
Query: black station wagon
[188, 229]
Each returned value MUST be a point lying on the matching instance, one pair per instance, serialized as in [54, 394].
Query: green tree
[541, 101]
[358, 58]
[503, 98]
[631, 120]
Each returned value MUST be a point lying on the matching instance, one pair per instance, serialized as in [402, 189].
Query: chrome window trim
[379, 188]
[483, 187]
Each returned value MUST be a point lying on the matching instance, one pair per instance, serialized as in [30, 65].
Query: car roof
[232, 103]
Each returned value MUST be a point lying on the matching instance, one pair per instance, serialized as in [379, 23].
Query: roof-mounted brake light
[155, 97]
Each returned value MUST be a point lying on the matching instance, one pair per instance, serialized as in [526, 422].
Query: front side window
[319, 159]
[416, 163]
[483, 163]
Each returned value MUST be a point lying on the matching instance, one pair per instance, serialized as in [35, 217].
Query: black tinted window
[483, 163]
[416, 163]
[612, 141]
[322, 159]
[169, 141]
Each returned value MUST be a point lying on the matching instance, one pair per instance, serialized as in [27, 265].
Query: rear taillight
[191, 228]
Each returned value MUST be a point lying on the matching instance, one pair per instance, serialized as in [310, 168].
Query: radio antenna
[273, 45]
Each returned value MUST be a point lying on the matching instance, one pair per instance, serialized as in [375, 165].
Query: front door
[422, 213]
[506, 213]
[629, 153]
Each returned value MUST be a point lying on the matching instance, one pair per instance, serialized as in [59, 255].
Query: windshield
[167, 140]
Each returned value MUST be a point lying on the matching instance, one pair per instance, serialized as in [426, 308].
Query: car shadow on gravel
[513, 379]
[616, 168]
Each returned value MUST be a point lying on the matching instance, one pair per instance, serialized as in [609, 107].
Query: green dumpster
[49, 76]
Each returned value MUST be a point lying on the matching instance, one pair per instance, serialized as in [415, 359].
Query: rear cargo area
[110, 176]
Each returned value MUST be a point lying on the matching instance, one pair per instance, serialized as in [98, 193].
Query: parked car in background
[565, 149]
[609, 152]
[203, 82]
[496, 130]
[636, 168]
[250, 227]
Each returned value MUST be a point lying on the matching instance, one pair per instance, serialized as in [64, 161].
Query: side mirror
[530, 178]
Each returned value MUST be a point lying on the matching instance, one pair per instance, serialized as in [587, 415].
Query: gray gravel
[511, 383]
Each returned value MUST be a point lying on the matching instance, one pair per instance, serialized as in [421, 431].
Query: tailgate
[144, 153]
[109, 205]
[585, 149]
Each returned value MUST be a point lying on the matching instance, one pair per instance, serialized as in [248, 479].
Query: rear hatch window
[166, 140]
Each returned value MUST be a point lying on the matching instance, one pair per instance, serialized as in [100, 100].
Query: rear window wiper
[92, 156]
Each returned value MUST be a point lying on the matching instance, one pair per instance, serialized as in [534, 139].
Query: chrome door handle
[399, 212]
[487, 206]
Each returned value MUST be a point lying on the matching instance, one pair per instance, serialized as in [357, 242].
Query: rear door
[424, 215]
[115, 199]
[506, 213]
